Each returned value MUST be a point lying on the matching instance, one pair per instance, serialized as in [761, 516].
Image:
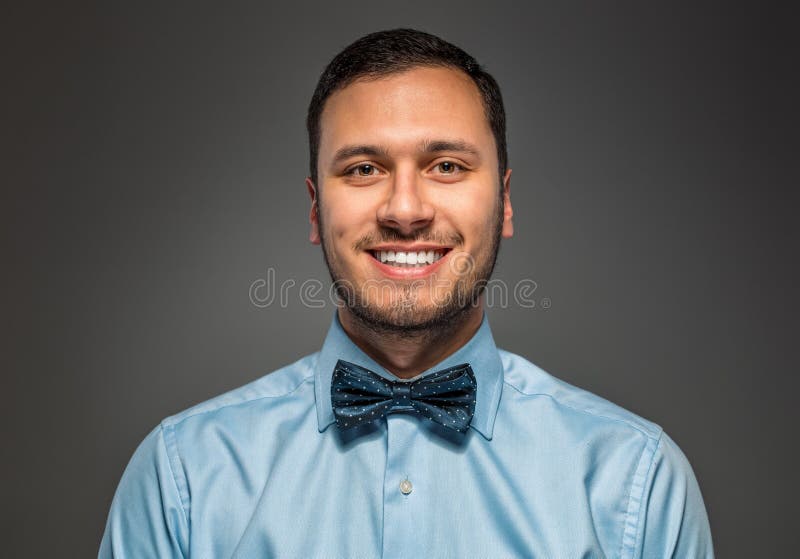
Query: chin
[410, 316]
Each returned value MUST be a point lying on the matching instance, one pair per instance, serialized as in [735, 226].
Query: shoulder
[664, 511]
[531, 382]
[151, 510]
[286, 382]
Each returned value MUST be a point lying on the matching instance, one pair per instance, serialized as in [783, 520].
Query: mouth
[419, 258]
[405, 263]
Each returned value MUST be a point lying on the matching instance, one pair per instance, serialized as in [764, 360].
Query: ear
[313, 216]
[508, 212]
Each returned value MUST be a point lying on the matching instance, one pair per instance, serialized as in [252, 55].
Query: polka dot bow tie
[359, 396]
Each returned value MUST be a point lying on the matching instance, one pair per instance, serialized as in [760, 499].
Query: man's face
[409, 208]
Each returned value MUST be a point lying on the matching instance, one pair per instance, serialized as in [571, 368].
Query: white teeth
[408, 259]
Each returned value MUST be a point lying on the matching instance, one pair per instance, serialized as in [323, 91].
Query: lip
[416, 247]
[407, 273]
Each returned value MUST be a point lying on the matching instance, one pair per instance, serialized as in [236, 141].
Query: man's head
[408, 159]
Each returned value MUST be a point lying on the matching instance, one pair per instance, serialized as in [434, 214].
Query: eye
[362, 170]
[449, 167]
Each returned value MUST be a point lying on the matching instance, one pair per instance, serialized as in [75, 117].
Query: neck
[406, 355]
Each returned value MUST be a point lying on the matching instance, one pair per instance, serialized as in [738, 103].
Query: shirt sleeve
[675, 520]
[147, 518]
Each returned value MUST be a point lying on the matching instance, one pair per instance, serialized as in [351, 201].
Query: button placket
[403, 505]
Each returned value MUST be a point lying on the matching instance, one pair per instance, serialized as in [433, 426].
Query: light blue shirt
[546, 470]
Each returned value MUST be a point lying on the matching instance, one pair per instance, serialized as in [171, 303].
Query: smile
[413, 262]
[408, 259]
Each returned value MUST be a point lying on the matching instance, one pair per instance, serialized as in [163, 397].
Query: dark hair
[396, 50]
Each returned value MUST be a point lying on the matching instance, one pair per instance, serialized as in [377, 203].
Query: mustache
[388, 235]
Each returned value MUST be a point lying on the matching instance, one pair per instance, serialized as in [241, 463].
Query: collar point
[486, 431]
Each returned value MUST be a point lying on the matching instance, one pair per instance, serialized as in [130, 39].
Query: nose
[405, 208]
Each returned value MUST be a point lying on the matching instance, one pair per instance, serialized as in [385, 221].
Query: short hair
[396, 50]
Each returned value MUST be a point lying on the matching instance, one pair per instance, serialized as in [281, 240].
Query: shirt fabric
[546, 470]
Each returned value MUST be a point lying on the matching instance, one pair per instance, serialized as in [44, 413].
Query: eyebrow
[434, 146]
[426, 146]
[350, 151]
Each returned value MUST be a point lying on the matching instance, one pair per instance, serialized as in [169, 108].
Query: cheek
[470, 211]
[347, 215]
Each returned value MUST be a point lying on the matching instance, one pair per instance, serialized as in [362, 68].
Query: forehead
[401, 109]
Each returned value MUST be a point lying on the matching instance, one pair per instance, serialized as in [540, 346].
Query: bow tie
[447, 397]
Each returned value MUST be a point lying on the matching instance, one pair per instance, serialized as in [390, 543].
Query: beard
[405, 315]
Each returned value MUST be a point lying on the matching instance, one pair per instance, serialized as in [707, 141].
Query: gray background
[153, 169]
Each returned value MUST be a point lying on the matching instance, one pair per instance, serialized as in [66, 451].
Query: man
[409, 434]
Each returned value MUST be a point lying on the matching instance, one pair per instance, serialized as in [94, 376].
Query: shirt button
[406, 487]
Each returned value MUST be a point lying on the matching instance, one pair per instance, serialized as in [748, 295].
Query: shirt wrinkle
[593, 413]
[177, 419]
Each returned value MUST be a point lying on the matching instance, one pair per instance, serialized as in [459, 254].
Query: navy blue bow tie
[447, 397]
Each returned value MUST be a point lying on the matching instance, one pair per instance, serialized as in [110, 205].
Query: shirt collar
[480, 352]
